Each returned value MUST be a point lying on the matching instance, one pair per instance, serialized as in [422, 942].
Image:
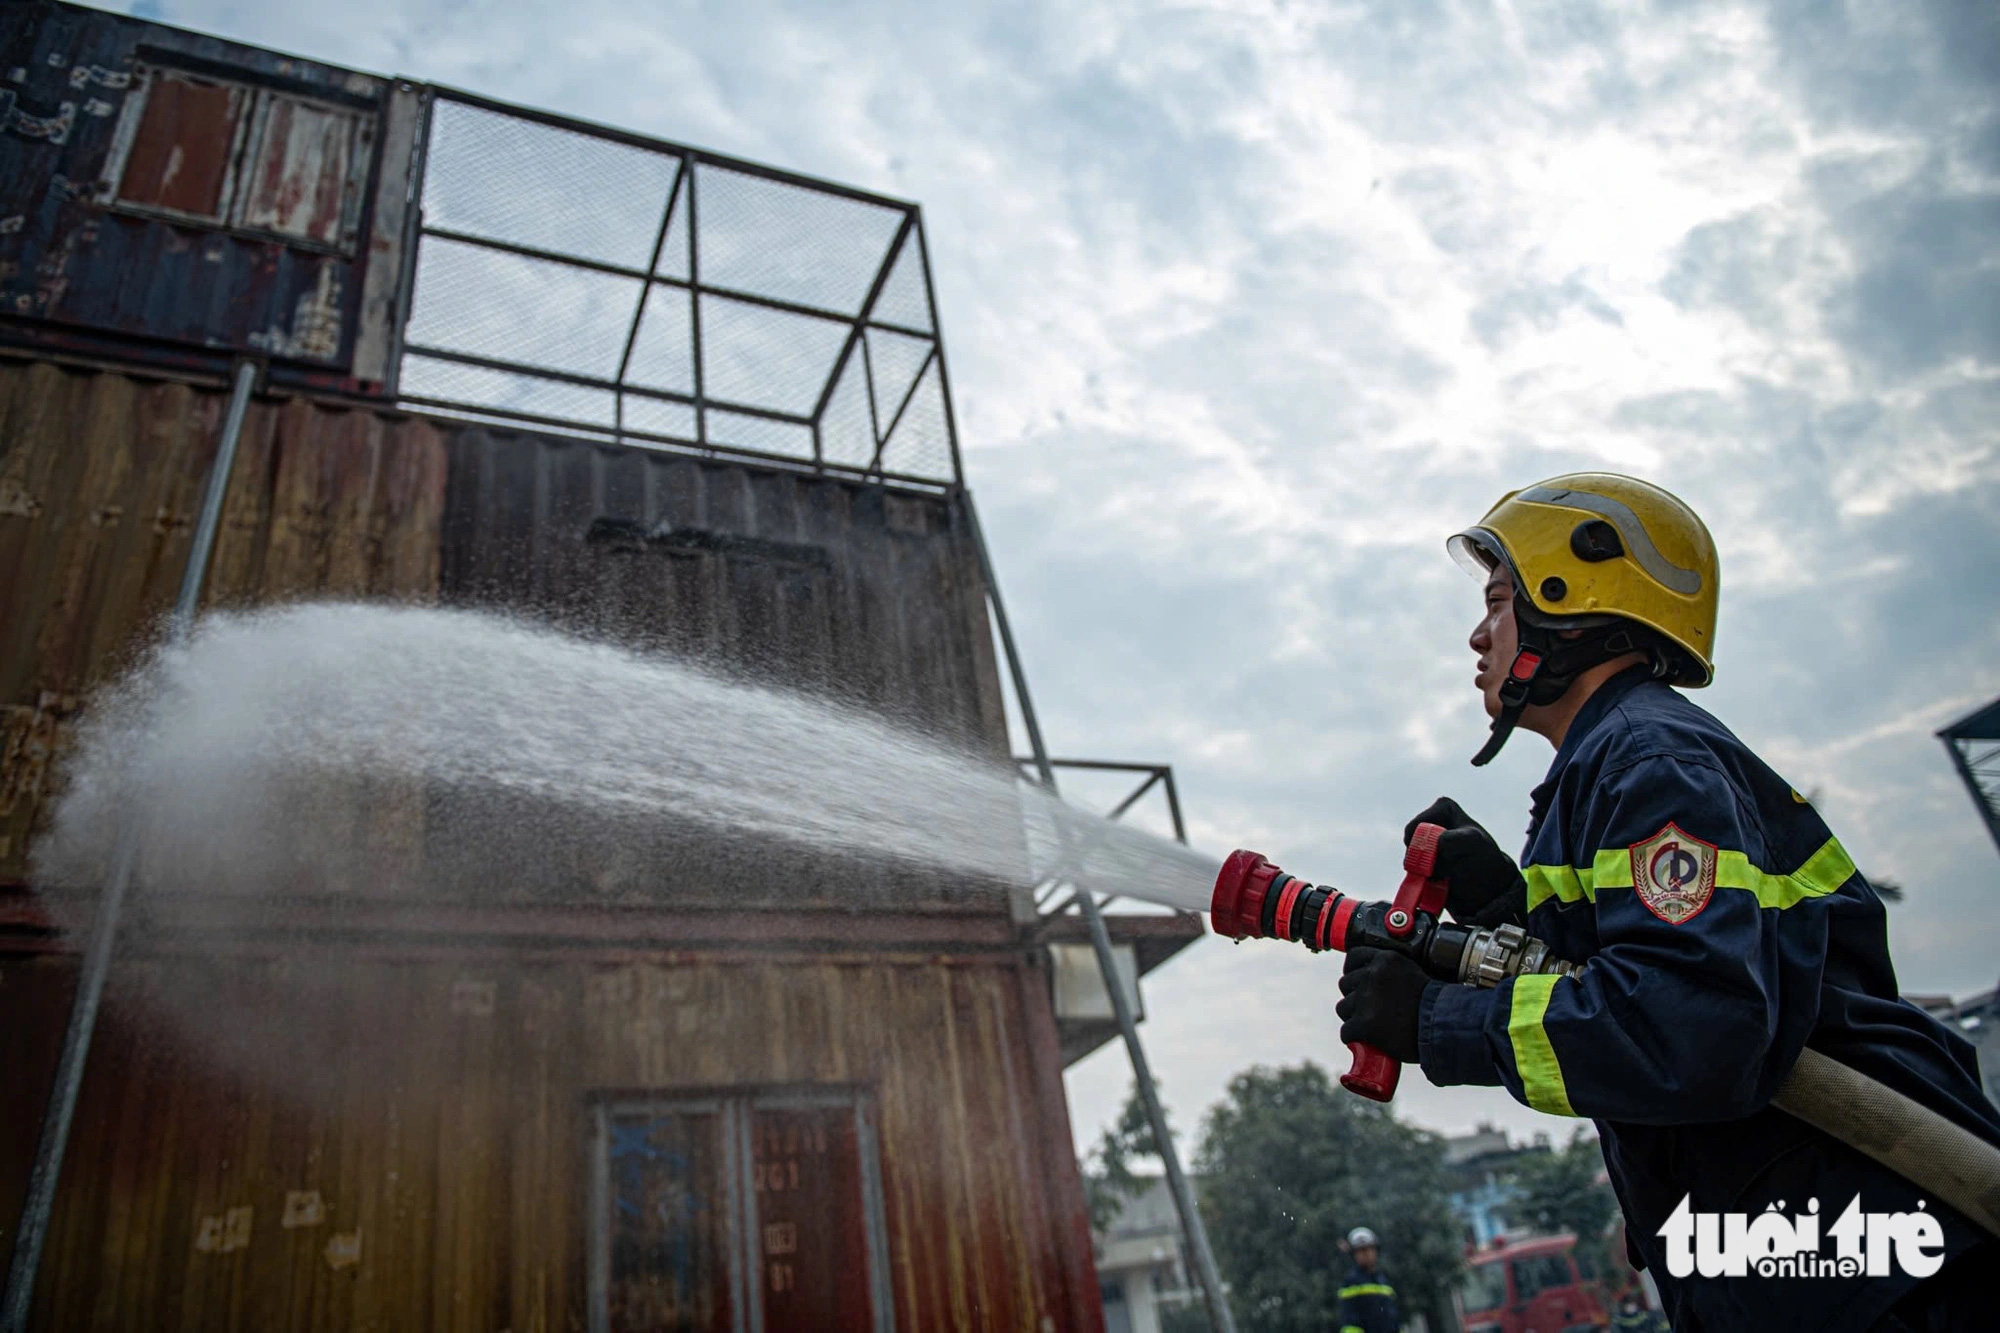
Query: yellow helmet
[1594, 551]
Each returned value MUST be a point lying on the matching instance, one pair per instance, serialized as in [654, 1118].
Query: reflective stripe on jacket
[1368, 1303]
[1725, 927]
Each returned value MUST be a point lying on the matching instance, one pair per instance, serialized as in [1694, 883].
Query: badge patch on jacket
[1674, 874]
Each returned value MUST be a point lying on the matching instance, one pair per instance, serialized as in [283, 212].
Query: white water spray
[305, 750]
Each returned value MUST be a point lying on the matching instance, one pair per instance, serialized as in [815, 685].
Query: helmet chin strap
[1546, 665]
[1514, 691]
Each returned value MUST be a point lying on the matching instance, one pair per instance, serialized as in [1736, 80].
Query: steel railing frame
[884, 418]
[1973, 742]
[1156, 775]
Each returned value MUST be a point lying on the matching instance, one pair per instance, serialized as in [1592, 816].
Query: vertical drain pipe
[61, 1110]
[1219, 1314]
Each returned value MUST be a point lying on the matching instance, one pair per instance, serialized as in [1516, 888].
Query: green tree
[1108, 1177]
[1560, 1190]
[1290, 1163]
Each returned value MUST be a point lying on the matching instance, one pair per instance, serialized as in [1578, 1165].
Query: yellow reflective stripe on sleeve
[1559, 882]
[1607, 870]
[1823, 873]
[1352, 1328]
[1368, 1289]
[1612, 869]
[1534, 1059]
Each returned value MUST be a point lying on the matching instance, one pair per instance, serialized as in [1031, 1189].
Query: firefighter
[1632, 1316]
[1367, 1301]
[1723, 924]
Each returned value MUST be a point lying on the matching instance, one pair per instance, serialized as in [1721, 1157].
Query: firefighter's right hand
[1486, 886]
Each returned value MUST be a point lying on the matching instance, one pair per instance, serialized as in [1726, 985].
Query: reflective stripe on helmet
[1638, 542]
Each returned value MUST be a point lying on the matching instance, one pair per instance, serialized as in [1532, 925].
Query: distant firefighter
[1367, 1301]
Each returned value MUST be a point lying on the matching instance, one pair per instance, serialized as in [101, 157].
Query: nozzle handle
[1242, 907]
[1373, 1074]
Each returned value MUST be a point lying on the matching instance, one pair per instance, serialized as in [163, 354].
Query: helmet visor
[1478, 553]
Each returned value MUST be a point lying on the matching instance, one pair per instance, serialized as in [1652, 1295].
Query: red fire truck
[1530, 1286]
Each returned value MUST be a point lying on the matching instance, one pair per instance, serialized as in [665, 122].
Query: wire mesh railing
[1054, 895]
[575, 276]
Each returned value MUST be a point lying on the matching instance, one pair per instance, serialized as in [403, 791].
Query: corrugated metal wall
[454, 1141]
[100, 481]
[452, 1136]
[867, 594]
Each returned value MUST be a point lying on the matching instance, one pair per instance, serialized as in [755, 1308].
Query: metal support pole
[1219, 1314]
[413, 238]
[61, 1110]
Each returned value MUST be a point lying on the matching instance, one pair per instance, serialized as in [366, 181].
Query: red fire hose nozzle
[1255, 900]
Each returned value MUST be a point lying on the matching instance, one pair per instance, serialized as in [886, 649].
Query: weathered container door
[665, 1221]
[737, 1213]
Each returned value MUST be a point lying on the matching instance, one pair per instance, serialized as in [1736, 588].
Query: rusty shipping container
[668, 1106]
[174, 198]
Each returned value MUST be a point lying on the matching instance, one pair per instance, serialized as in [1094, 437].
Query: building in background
[506, 360]
[1977, 1019]
[1142, 1266]
[1480, 1167]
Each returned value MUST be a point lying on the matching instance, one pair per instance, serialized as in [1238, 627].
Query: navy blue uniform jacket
[1368, 1303]
[1725, 929]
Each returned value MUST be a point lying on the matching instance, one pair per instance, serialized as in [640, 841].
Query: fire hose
[1256, 900]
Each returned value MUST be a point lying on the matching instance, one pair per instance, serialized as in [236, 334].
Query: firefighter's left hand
[1380, 993]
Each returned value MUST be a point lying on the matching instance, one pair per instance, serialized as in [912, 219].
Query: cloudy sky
[1250, 304]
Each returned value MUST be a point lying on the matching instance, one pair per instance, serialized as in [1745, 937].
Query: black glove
[1380, 993]
[1486, 885]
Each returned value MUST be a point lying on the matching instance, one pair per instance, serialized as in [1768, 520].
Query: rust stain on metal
[225, 1233]
[82, 76]
[343, 1250]
[316, 322]
[32, 737]
[181, 149]
[50, 129]
[52, 274]
[303, 1208]
[16, 501]
[299, 183]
